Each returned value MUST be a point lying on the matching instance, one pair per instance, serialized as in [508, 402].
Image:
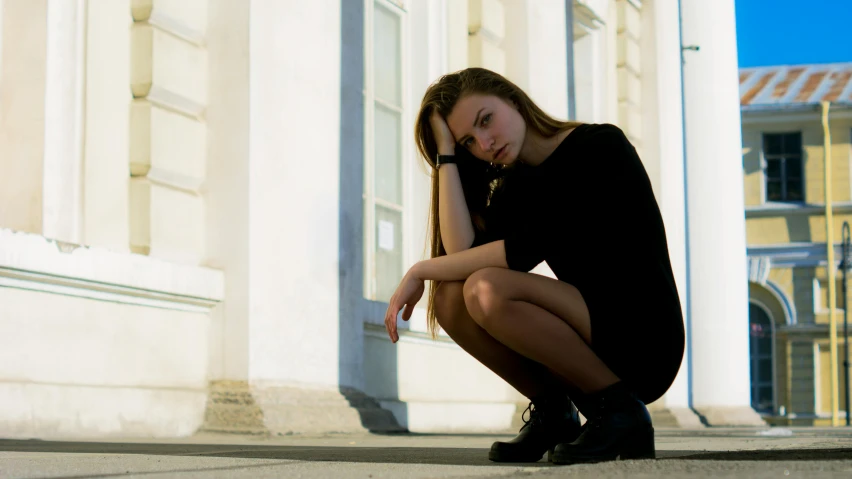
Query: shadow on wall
[799, 228]
[803, 294]
[353, 369]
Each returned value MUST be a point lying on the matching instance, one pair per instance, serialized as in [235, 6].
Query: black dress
[589, 211]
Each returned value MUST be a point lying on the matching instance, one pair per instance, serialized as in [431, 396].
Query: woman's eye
[486, 119]
[466, 143]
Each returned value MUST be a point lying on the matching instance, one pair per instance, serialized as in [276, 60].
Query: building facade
[206, 203]
[784, 170]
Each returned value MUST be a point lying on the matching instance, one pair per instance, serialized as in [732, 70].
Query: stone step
[236, 407]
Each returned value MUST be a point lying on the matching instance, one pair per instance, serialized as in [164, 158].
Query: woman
[513, 187]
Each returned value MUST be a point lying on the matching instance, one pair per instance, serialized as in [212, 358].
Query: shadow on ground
[394, 455]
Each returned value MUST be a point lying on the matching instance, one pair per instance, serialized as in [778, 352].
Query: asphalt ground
[711, 452]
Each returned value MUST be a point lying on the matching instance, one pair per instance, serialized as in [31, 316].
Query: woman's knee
[482, 295]
[449, 304]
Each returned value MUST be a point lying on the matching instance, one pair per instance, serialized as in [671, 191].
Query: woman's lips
[500, 152]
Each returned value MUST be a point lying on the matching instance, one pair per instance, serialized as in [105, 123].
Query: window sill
[32, 262]
[785, 208]
[375, 314]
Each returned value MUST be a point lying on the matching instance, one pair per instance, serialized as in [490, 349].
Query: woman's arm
[453, 267]
[453, 215]
[458, 266]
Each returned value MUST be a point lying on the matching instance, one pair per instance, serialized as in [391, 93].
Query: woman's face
[489, 127]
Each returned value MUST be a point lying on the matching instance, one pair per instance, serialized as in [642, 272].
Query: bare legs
[530, 378]
[535, 333]
[532, 331]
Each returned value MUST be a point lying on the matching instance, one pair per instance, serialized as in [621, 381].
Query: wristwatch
[444, 159]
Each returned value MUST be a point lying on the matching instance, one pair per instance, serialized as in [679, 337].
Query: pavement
[711, 452]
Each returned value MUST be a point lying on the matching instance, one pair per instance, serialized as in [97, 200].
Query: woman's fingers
[390, 322]
[406, 313]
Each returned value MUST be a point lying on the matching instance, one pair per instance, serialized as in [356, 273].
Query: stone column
[274, 220]
[64, 120]
[23, 36]
[536, 50]
[457, 35]
[629, 71]
[486, 27]
[662, 133]
[107, 135]
[718, 282]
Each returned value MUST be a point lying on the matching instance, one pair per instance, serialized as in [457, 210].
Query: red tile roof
[795, 85]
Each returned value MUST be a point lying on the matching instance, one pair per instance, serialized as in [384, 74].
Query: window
[821, 295]
[760, 357]
[782, 156]
[384, 158]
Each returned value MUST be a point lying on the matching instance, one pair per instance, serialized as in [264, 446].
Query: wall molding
[169, 100]
[793, 255]
[175, 181]
[32, 262]
[767, 210]
[143, 12]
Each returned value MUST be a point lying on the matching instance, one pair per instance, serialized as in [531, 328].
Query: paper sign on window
[385, 235]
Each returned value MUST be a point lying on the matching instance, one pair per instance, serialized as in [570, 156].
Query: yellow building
[784, 180]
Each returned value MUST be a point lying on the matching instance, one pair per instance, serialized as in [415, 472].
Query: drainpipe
[569, 57]
[688, 293]
[831, 271]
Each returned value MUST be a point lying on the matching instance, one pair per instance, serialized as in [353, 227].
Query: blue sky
[783, 32]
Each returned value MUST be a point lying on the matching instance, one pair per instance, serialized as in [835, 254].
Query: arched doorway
[760, 359]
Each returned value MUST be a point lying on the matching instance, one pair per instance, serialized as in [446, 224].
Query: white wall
[99, 343]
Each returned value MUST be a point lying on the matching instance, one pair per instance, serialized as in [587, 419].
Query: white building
[204, 204]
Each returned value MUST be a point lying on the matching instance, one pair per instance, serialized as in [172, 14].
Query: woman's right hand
[443, 136]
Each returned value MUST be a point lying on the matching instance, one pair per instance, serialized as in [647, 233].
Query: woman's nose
[485, 143]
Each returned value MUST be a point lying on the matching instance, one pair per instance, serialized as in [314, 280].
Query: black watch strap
[445, 159]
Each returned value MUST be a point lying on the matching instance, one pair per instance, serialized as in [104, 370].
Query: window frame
[764, 163]
[369, 199]
[773, 357]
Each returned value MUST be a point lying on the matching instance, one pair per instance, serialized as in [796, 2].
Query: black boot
[551, 421]
[618, 426]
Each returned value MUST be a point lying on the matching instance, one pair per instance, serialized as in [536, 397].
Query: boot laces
[535, 417]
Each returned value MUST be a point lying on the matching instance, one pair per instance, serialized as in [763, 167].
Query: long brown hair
[478, 178]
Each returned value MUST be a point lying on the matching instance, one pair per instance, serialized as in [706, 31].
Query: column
[64, 120]
[535, 48]
[107, 139]
[486, 27]
[662, 141]
[23, 36]
[274, 208]
[718, 282]
[457, 35]
[629, 69]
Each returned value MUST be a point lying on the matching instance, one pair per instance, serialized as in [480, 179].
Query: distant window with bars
[782, 156]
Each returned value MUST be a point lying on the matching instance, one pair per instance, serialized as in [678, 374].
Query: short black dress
[589, 211]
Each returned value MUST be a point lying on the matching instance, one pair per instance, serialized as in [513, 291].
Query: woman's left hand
[407, 294]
